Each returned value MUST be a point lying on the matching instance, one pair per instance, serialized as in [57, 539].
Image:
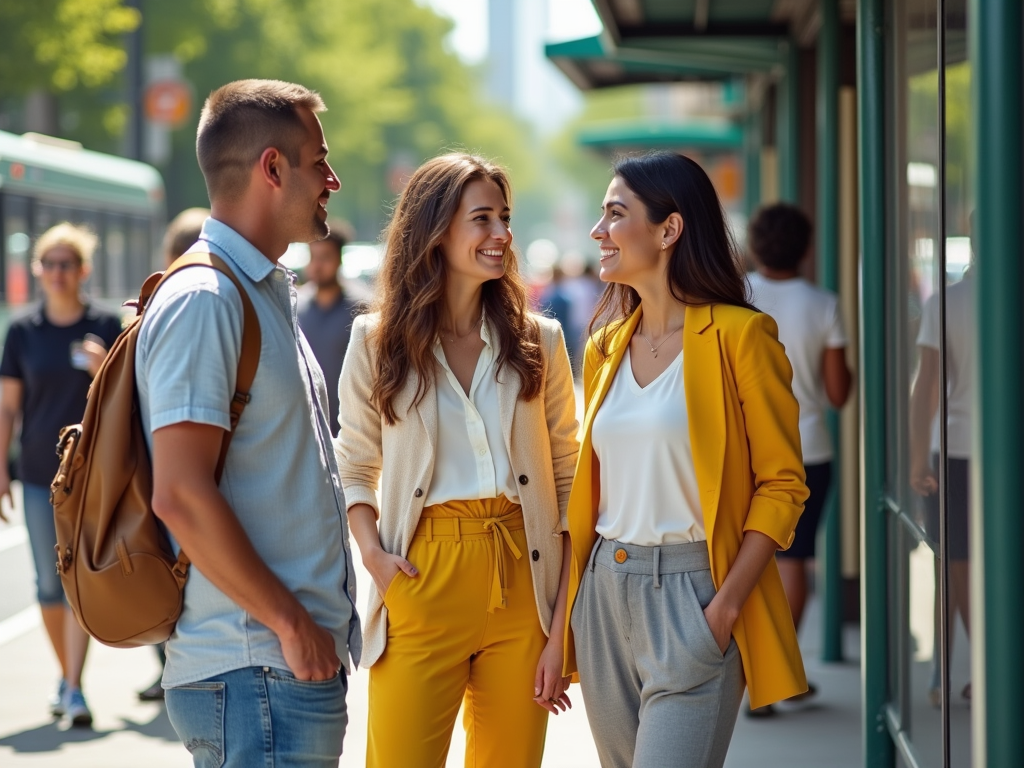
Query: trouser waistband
[654, 561]
[498, 528]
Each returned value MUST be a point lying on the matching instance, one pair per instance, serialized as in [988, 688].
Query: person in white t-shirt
[811, 329]
[961, 324]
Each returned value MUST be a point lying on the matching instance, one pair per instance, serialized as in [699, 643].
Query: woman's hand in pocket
[383, 568]
[720, 621]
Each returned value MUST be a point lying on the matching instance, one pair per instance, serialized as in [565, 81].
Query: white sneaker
[56, 701]
[76, 711]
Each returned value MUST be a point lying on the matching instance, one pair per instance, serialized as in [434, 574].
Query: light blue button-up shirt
[280, 476]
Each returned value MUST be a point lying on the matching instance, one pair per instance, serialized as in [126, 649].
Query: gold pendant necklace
[654, 349]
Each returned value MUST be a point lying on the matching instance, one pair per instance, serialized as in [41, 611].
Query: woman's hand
[383, 567]
[95, 352]
[549, 685]
[720, 620]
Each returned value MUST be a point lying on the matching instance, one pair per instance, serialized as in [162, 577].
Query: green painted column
[997, 64]
[752, 160]
[878, 750]
[787, 138]
[831, 554]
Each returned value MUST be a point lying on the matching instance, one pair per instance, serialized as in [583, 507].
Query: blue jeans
[42, 538]
[260, 716]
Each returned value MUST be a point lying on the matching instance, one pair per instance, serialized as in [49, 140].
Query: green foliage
[395, 94]
[923, 134]
[61, 44]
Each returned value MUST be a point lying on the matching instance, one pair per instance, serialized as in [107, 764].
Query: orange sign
[168, 102]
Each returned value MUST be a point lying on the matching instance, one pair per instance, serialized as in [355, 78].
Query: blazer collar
[698, 319]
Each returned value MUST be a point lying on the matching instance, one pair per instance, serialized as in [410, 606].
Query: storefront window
[931, 318]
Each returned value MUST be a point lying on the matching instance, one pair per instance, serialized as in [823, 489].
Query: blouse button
[535, 555]
[418, 493]
[523, 479]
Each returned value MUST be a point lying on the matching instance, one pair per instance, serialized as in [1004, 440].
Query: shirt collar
[240, 251]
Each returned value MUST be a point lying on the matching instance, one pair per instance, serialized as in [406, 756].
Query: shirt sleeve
[928, 335]
[190, 342]
[10, 364]
[836, 338]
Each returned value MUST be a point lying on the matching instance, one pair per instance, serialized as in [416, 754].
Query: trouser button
[620, 556]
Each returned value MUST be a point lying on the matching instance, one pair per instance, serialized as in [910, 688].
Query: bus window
[16, 249]
[115, 283]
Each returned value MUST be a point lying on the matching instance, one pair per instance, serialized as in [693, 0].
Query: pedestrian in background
[961, 334]
[689, 480]
[181, 234]
[555, 303]
[811, 329]
[459, 403]
[326, 310]
[254, 667]
[49, 359]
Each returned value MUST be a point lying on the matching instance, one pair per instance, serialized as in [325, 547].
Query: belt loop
[430, 529]
[657, 567]
[457, 528]
[593, 555]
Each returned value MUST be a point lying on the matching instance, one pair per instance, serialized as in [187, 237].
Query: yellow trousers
[465, 629]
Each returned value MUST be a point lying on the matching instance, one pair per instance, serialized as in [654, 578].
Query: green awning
[662, 134]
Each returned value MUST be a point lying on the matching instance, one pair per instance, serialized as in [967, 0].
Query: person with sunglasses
[49, 359]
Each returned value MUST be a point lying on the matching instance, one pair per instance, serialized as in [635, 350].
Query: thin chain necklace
[654, 348]
[453, 337]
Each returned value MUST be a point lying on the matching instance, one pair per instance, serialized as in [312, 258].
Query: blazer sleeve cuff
[361, 494]
[775, 519]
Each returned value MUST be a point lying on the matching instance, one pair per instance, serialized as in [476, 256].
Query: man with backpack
[255, 666]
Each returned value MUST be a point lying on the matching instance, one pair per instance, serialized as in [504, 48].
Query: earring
[663, 246]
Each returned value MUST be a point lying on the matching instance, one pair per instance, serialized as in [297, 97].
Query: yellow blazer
[746, 452]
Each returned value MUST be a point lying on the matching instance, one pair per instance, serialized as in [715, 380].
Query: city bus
[45, 180]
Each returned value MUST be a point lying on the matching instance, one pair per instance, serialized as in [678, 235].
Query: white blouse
[649, 493]
[472, 461]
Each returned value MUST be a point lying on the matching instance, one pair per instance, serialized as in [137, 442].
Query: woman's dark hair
[704, 267]
[412, 280]
[778, 236]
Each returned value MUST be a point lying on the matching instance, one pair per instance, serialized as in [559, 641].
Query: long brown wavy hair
[704, 267]
[412, 280]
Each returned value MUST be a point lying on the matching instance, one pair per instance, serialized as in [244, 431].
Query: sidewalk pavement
[129, 734]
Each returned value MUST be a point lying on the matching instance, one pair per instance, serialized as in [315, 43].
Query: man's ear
[270, 167]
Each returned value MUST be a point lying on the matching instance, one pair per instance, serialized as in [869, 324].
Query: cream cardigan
[540, 436]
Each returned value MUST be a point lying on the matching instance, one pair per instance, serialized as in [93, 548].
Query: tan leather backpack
[114, 558]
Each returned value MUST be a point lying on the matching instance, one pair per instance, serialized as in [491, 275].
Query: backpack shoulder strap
[252, 339]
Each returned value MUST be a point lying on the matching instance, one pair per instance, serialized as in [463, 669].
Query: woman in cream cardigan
[689, 480]
[461, 405]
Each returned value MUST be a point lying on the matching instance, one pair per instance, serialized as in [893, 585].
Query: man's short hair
[341, 234]
[183, 231]
[778, 236]
[242, 119]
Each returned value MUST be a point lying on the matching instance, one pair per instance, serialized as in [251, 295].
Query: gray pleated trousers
[659, 693]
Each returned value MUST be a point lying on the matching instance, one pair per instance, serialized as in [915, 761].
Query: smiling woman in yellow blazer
[670, 618]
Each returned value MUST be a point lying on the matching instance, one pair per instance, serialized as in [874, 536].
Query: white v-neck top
[649, 493]
[472, 460]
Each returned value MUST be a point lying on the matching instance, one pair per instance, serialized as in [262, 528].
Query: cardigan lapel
[426, 410]
[509, 384]
[617, 346]
[705, 406]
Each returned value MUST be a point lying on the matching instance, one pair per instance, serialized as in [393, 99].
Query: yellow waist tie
[450, 522]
